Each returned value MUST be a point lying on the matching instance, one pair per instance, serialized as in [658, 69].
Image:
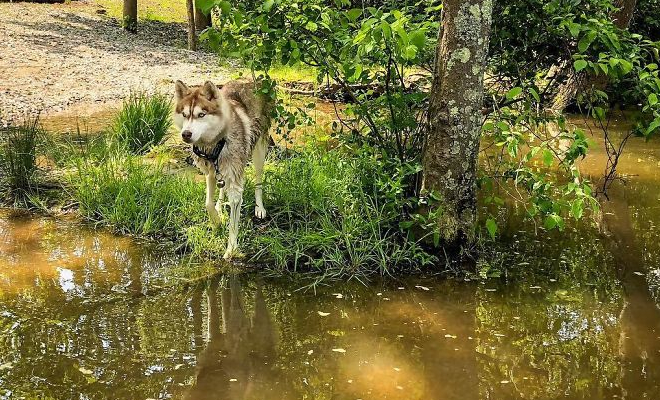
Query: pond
[89, 315]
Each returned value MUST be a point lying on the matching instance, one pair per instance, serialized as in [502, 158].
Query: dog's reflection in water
[236, 363]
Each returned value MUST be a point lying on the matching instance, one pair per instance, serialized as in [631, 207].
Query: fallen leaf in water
[400, 288]
[338, 295]
[397, 369]
[422, 287]
[350, 381]
[450, 336]
[638, 273]
[535, 287]
[339, 350]
[490, 290]
[85, 371]
[178, 366]
[504, 381]
[400, 387]
[323, 314]
[310, 352]
[233, 380]
[6, 366]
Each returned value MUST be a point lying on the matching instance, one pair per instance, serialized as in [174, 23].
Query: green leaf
[653, 99]
[311, 26]
[418, 38]
[655, 124]
[550, 222]
[513, 92]
[626, 66]
[268, 4]
[547, 157]
[535, 94]
[586, 40]
[577, 208]
[579, 65]
[411, 52]
[491, 226]
[354, 14]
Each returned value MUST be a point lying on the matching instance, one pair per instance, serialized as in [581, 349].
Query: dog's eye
[184, 115]
[201, 115]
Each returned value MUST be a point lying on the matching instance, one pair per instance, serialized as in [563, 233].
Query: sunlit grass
[143, 121]
[153, 10]
[18, 155]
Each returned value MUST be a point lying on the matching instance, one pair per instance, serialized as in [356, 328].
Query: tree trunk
[576, 81]
[129, 21]
[202, 21]
[192, 37]
[450, 158]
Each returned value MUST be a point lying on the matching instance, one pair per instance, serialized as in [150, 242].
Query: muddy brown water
[83, 315]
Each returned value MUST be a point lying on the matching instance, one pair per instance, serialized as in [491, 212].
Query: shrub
[143, 121]
[18, 157]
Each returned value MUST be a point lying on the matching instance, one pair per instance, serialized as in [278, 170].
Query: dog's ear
[211, 91]
[180, 90]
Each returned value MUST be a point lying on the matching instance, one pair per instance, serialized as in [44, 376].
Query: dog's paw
[232, 254]
[260, 212]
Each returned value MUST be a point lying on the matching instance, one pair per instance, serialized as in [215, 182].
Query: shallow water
[84, 314]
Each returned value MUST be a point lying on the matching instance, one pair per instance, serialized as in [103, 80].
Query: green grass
[143, 121]
[18, 156]
[327, 212]
[154, 10]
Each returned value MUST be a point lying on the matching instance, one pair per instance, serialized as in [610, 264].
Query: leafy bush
[143, 121]
[18, 157]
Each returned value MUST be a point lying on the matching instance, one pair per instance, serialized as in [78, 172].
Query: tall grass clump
[143, 121]
[18, 155]
[132, 197]
[337, 213]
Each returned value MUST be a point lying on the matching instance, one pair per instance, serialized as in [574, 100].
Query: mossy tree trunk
[455, 119]
[577, 81]
[192, 38]
[129, 20]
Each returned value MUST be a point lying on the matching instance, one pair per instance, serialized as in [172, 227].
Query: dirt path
[63, 57]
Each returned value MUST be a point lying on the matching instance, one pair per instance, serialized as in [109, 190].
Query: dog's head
[202, 113]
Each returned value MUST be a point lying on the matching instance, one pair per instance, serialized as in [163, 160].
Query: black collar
[214, 155]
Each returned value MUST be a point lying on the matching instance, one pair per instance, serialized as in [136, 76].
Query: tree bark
[129, 21]
[576, 81]
[202, 21]
[192, 37]
[454, 120]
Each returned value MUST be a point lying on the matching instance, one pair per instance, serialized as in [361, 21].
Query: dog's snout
[186, 135]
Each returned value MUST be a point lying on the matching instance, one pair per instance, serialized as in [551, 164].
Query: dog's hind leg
[258, 160]
[235, 196]
[210, 194]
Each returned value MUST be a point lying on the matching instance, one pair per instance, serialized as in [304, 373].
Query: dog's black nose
[186, 135]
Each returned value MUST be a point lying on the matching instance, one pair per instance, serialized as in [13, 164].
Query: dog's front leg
[210, 195]
[235, 197]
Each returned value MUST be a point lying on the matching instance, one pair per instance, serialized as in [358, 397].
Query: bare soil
[64, 58]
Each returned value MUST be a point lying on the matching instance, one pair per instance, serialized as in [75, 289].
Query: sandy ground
[68, 58]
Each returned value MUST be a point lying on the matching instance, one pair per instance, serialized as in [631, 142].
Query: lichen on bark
[454, 121]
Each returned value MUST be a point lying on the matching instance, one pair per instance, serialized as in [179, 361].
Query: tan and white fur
[208, 114]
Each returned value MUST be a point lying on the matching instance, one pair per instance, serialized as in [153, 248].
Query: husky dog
[225, 125]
